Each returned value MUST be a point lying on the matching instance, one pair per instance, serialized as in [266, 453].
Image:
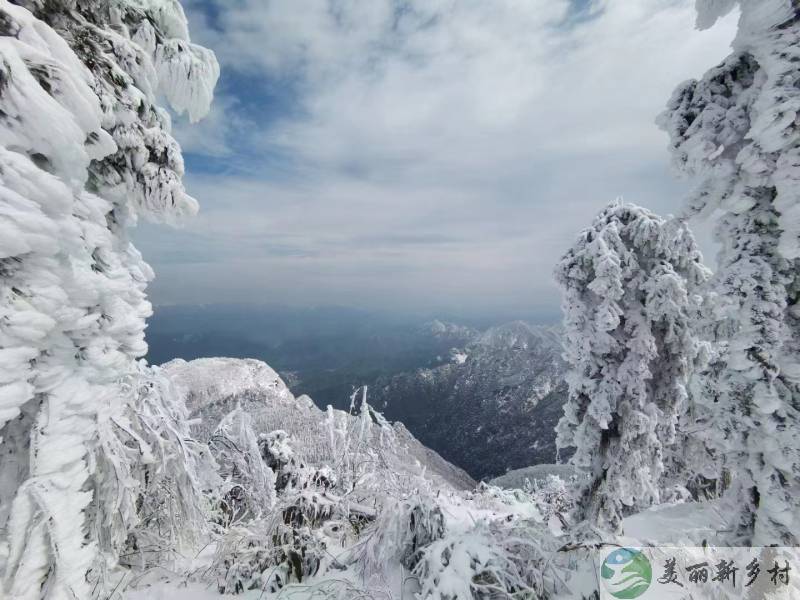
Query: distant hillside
[493, 407]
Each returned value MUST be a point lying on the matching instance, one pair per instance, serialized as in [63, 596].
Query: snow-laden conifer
[629, 286]
[736, 132]
[84, 150]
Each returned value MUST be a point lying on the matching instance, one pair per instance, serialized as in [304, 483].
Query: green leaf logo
[626, 573]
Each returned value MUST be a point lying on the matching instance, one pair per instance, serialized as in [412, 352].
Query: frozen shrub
[493, 560]
[278, 456]
[298, 554]
[552, 496]
[249, 485]
[270, 553]
[242, 556]
[400, 533]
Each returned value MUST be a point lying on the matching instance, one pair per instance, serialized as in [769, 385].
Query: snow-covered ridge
[519, 334]
[445, 329]
[204, 381]
[212, 387]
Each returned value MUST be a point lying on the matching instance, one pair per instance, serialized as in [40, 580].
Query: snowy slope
[212, 387]
[517, 478]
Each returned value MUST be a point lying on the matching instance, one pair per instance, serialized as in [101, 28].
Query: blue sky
[420, 155]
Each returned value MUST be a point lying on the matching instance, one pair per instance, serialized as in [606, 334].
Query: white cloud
[215, 136]
[438, 148]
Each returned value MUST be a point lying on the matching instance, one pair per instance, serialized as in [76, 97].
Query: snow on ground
[516, 479]
[667, 525]
[462, 511]
[679, 524]
[177, 591]
[460, 357]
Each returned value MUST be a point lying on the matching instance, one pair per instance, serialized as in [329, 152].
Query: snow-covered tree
[84, 150]
[737, 132]
[629, 288]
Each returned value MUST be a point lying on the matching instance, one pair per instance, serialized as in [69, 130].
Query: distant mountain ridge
[453, 332]
[494, 407]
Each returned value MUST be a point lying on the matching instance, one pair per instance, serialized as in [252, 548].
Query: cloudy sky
[420, 154]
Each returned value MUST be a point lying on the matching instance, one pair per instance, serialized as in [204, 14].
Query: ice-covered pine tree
[737, 132]
[84, 150]
[629, 287]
